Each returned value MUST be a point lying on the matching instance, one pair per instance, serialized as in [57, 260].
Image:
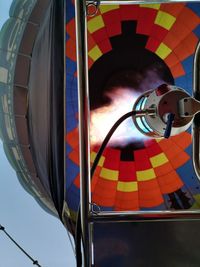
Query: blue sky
[42, 235]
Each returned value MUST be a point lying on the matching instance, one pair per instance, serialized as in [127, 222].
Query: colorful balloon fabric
[160, 174]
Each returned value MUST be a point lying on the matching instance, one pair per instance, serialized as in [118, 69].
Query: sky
[40, 234]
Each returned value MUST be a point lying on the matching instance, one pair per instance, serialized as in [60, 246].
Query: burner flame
[102, 119]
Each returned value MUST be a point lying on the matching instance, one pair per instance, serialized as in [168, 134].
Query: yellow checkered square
[93, 156]
[165, 20]
[145, 175]
[163, 51]
[95, 24]
[109, 174]
[127, 186]
[95, 53]
[154, 6]
[107, 8]
[158, 160]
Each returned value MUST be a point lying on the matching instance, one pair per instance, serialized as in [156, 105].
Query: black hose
[107, 138]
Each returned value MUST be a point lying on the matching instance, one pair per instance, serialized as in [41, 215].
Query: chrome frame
[83, 105]
[142, 216]
[88, 215]
[131, 2]
[196, 127]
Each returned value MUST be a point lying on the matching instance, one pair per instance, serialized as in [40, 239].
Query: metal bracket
[95, 209]
[188, 107]
[92, 8]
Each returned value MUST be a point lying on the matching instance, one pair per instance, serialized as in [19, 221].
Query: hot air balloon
[132, 49]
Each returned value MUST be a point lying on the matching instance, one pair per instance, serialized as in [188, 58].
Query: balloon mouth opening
[114, 88]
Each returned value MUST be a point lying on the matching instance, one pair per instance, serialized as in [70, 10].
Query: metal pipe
[131, 2]
[196, 122]
[141, 216]
[143, 112]
[83, 103]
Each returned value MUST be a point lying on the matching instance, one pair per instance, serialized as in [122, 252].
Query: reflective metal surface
[196, 124]
[130, 2]
[140, 216]
[81, 46]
